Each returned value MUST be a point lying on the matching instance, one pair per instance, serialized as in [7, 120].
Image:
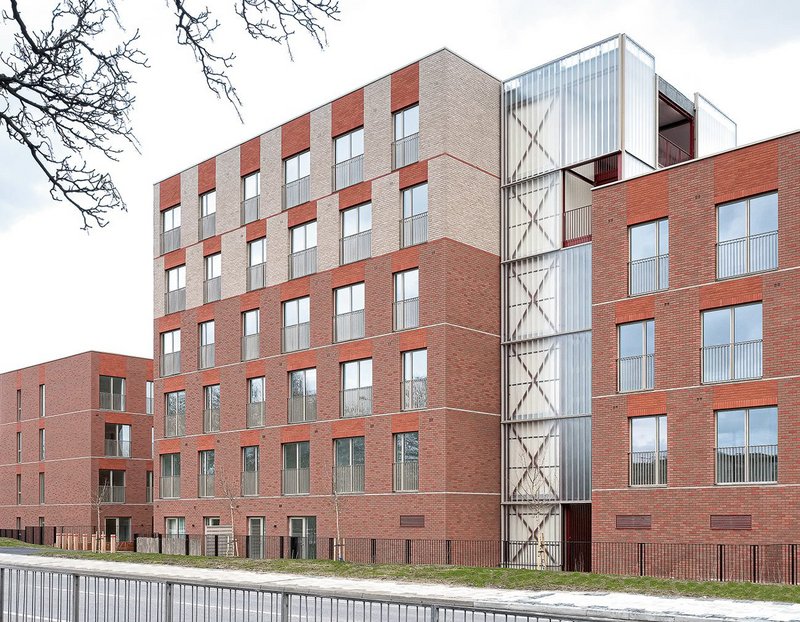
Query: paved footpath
[610, 605]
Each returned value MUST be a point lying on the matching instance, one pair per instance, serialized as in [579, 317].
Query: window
[175, 298]
[415, 379]
[251, 190]
[207, 345]
[251, 341]
[296, 179]
[208, 215]
[406, 461]
[406, 137]
[414, 224]
[732, 343]
[212, 286]
[348, 455]
[256, 264]
[747, 236]
[211, 408]
[250, 470]
[120, 527]
[356, 233]
[175, 526]
[349, 308]
[170, 229]
[149, 397]
[118, 440]
[406, 299]
[648, 465]
[19, 494]
[357, 388]
[170, 484]
[42, 445]
[112, 393]
[302, 395]
[171, 353]
[303, 537]
[648, 267]
[19, 404]
[205, 479]
[175, 418]
[296, 324]
[747, 445]
[636, 364]
[111, 487]
[303, 257]
[19, 447]
[349, 155]
[148, 487]
[41, 488]
[296, 460]
[41, 400]
[255, 402]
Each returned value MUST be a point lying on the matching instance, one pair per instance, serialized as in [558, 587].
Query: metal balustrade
[356, 402]
[406, 313]
[753, 253]
[256, 276]
[732, 361]
[415, 393]
[171, 364]
[405, 151]
[205, 485]
[211, 420]
[348, 173]
[170, 240]
[148, 494]
[348, 479]
[212, 289]
[207, 356]
[112, 401]
[414, 230]
[648, 468]
[348, 326]
[751, 464]
[117, 449]
[249, 483]
[149, 404]
[174, 425]
[578, 225]
[356, 247]
[669, 153]
[175, 300]
[295, 192]
[255, 415]
[648, 275]
[303, 262]
[169, 487]
[111, 494]
[249, 210]
[406, 476]
[302, 408]
[636, 373]
[251, 344]
[296, 337]
[296, 481]
[207, 226]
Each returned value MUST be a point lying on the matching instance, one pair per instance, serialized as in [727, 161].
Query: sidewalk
[565, 604]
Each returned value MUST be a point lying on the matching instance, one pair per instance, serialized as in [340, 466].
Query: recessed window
[747, 445]
[348, 455]
[415, 380]
[256, 396]
[251, 191]
[170, 482]
[207, 354]
[636, 364]
[175, 413]
[303, 257]
[205, 477]
[296, 324]
[406, 462]
[112, 393]
[357, 388]
[296, 172]
[171, 353]
[348, 322]
[170, 229]
[208, 215]
[211, 409]
[406, 299]
[250, 470]
[296, 468]
[648, 266]
[256, 264]
[251, 334]
[212, 286]
[747, 236]
[175, 298]
[356, 233]
[302, 395]
[732, 343]
[648, 459]
[405, 149]
[349, 156]
[414, 224]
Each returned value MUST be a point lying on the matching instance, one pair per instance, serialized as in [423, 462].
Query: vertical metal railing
[636, 373]
[169, 487]
[415, 393]
[175, 300]
[406, 476]
[249, 483]
[212, 289]
[732, 361]
[111, 494]
[170, 364]
[207, 356]
[646, 275]
[348, 173]
[406, 313]
[348, 326]
[578, 225]
[648, 468]
[256, 276]
[255, 414]
[249, 210]
[295, 192]
[296, 481]
[205, 485]
[356, 247]
[753, 253]
[207, 226]
[116, 448]
[414, 230]
[174, 424]
[303, 262]
[751, 464]
[211, 420]
[302, 408]
[357, 402]
[349, 478]
[296, 337]
[250, 346]
[112, 401]
[170, 240]
[405, 151]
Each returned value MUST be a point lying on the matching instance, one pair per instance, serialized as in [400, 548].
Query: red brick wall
[405, 87]
[296, 136]
[347, 113]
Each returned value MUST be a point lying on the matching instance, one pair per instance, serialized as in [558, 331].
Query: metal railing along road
[118, 449]
[296, 337]
[212, 289]
[349, 479]
[753, 464]
[415, 393]
[650, 274]
[414, 230]
[112, 401]
[302, 408]
[175, 300]
[753, 253]
[356, 247]
[406, 476]
[296, 481]
[303, 262]
[256, 276]
[205, 485]
[170, 364]
[732, 361]
[348, 326]
[207, 226]
[169, 487]
[648, 468]
[249, 210]
[170, 240]
[406, 313]
[111, 494]
[348, 173]
[255, 414]
[207, 356]
[405, 151]
[295, 192]
[249, 483]
[636, 373]
[357, 402]
[578, 224]
[251, 345]
[211, 420]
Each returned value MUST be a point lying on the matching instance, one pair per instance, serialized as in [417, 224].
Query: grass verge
[17, 544]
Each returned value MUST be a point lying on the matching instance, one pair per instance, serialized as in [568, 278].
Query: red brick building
[76, 433]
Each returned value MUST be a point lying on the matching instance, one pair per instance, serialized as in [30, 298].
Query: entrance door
[303, 537]
[255, 531]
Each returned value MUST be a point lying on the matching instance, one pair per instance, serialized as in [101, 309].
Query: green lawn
[6, 542]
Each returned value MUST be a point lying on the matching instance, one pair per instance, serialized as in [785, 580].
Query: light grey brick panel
[271, 173]
[234, 263]
[190, 206]
[229, 191]
[328, 233]
[159, 287]
[277, 249]
[321, 152]
[195, 274]
[156, 220]
[385, 214]
[377, 128]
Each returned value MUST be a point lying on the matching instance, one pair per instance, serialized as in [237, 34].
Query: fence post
[720, 563]
[330, 549]
[168, 602]
[793, 563]
[280, 555]
[434, 613]
[135, 543]
[159, 544]
[408, 551]
[285, 607]
[641, 559]
[373, 546]
[216, 545]
[247, 546]
[2, 594]
[186, 536]
[76, 597]
[448, 552]
[754, 563]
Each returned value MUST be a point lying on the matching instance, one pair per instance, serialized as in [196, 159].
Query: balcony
[414, 230]
[348, 326]
[117, 449]
[732, 361]
[211, 420]
[405, 151]
[174, 425]
[406, 313]
[302, 408]
[415, 393]
[169, 487]
[636, 373]
[302, 263]
[149, 405]
[669, 153]
[251, 344]
[648, 468]
[348, 173]
[111, 494]
[296, 337]
[357, 402]
[577, 225]
[207, 356]
[112, 401]
[296, 481]
[754, 253]
[212, 289]
[753, 464]
[296, 192]
[348, 479]
[205, 485]
[255, 415]
[256, 276]
[171, 364]
[175, 300]
[207, 226]
[170, 240]
[249, 210]
[406, 476]
[356, 247]
[650, 274]
[148, 494]
[249, 483]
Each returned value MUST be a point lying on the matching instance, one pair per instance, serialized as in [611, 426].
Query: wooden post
[113, 543]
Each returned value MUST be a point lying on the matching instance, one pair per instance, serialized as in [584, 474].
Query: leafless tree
[230, 492]
[66, 87]
[100, 496]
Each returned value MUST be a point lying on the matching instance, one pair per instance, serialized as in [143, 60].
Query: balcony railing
[207, 226]
[175, 300]
[255, 415]
[648, 468]
[111, 494]
[357, 402]
[669, 153]
[296, 481]
[256, 276]
[406, 476]
[356, 247]
[296, 337]
[174, 425]
[406, 313]
[211, 420]
[646, 275]
[754, 253]
[171, 364]
[578, 225]
[249, 483]
[348, 479]
[405, 151]
[251, 344]
[636, 373]
[347, 326]
[212, 289]
[753, 464]
[148, 494]
[302, 408]
[732, 361]
[415, 393]
[118, 449]
[207, 356]
[249, 210]
[296, 192]
[149, 405]
[414, 230]
[348, 172]
[169, 487]
[303, 262]
[205, 485]
[112, 401]
[170, 240]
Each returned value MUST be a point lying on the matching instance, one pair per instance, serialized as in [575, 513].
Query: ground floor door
[255, 533]
[577, 537]
[303, 537]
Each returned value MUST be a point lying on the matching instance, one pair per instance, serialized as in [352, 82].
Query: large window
[296, 462]
[170, 229]
[112, 393]
[119, 526]
[171, 353]
[349, 155]
[251, 334]
[296, 324]
[296, 172]
[648, 460]
[747, 445]
[406, 299]
[175, 414]
[302, 395]
[415, 380]
[636, 365]
[205, 476]
[170, 483]
[207, 354]
[348, 454]
[303, 257]
[405, 149]
[118, 440]
[406, 461]
[251, 190]
[175, 298]
[211, 408]
[212, 286]
[149, 390]
[414, 224]
[732, 341]
[111, 486]
[250, 470]
[175, 525]
[256, 397]
[42, 399]
[41, 488]
[357, 388]
[208, 215]
[648, 267]
[256, 264]
[747, 236]
[349, 308]
[43, 444]
[356, 233]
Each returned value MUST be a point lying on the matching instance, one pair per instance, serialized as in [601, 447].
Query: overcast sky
[66, 292]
